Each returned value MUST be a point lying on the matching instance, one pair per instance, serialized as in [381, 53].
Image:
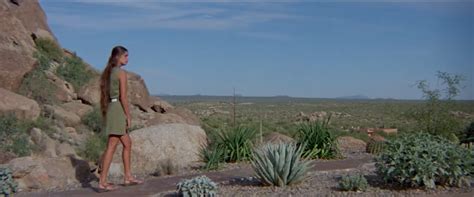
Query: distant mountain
[361, 97]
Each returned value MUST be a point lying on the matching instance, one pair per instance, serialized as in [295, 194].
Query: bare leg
[127, 149]
[126, 155]
[107, 159]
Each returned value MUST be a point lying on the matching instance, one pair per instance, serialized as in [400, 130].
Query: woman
[114, 106]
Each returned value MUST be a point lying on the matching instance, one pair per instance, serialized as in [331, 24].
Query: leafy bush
[317, 141]
[197, 186]
[13, 135]
[213, 156]
[280, 164]
[74, 71]
[236, 143]
[353, 183]
[35, 85]
[468, 135]
[49, 49]
[94, 147]
[93, 120]
[8, 186]
[421, 159]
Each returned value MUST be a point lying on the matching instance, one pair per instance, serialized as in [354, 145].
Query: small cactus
[7, 185]
[197, 186]
[375, 147]
[353, 183]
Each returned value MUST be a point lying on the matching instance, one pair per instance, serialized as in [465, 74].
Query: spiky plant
[236, 143]
[280, 164]
[317, 141]
[213, 156]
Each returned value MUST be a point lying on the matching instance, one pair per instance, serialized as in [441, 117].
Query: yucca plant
[317, 141]
[213, 156]
[237, 143]
[280, 164]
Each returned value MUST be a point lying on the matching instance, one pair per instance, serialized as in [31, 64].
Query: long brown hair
[105, 77]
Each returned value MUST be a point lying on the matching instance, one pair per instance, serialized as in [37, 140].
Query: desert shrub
[35, 85]
[280, 164]
[317, 141]
[421, 159]
[434, 115]
[8, 186]
[237, 143]
[49, 49]
[13, 135]
[93, 120]
[353, 183]
[94, 147]
[467, 136]
[75, 72]
[197, 186]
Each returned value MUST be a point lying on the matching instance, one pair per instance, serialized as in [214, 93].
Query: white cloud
[125, 14]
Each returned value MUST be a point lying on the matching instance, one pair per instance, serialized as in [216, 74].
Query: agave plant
[280, 164]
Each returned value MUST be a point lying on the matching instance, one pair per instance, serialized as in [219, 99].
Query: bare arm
[123, 95]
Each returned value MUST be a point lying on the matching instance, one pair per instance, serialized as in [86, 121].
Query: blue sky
[266, 48]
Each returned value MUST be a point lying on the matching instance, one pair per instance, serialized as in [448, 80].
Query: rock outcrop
[20, 106]
[19, 25]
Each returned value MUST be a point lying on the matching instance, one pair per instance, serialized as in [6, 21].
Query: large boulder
[138, 93]
[277, 138]
[348, 145]
[46, 146]
[90, 93]
[69, 118]
[33, 173]
[178, 144]
[173, 115]
[64, 90]
[22, 107]
[188, 116]
[159, 105]
[19, 23]
[77, 107]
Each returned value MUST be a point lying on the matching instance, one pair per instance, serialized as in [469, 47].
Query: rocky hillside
[50, 125]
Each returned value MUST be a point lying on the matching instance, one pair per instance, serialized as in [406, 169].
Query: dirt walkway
[163, 184]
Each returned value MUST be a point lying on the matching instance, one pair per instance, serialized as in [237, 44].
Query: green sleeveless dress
[116, 121]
